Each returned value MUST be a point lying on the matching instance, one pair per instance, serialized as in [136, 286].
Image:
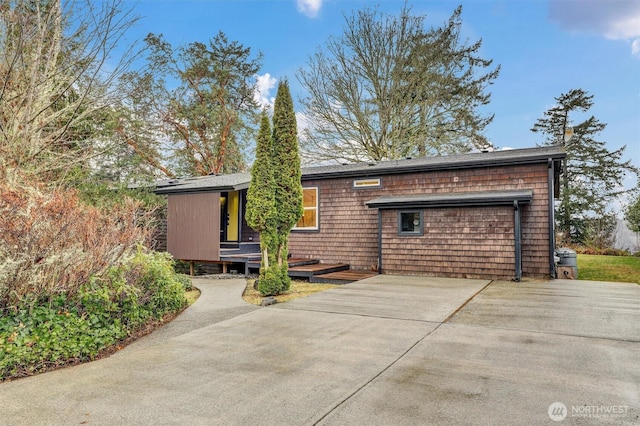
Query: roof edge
[475, 160]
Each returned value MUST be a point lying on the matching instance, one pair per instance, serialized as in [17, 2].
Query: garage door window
[410, 222]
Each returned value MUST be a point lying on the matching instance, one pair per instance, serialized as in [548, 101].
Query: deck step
[299, 261]
[306, 271]
[342, 277]
[293, 261]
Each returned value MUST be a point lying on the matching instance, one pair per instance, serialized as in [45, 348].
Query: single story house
[476, 215]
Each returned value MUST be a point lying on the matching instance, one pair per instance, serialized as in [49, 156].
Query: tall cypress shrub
[287, 174]
[261, 209]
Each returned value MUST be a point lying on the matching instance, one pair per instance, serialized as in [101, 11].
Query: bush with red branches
[51, 243]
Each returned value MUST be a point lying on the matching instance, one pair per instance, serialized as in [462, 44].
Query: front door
[230, 216]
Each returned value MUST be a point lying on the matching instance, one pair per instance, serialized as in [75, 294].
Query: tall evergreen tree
[287, 174]
[260, 211]
[210, 113]
[592, 175]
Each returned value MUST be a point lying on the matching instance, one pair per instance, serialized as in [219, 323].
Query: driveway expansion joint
[378, 374]
[454, 313]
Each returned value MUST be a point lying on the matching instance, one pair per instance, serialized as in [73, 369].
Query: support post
[517, 240]
[552, 220]
[379, 241]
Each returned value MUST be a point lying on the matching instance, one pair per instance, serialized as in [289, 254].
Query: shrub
[601, 251]
[269, 283]
[45, 337]
[161, 289]
[105, 310]
[51, 243]
[74, 278]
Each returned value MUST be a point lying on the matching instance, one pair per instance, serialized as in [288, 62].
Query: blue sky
[544, 47]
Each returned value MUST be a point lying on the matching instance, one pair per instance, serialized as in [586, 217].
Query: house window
[367, 183]
[309, 219]
[410, 222]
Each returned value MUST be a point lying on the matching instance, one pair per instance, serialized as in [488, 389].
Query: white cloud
[262, 95]
[309, 7]
[635, 47]
[613, 19]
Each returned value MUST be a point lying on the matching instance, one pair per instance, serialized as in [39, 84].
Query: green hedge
[105, 311]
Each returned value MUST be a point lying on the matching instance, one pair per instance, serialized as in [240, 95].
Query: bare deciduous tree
[390, 88]
[57, 78]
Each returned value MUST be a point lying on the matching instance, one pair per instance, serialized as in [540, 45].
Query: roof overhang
[240, 181]
[457, 199]
[514, 157]
[220, 183]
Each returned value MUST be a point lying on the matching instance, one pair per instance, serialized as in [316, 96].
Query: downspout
[379, 241]
[518, 241]
[552, 221]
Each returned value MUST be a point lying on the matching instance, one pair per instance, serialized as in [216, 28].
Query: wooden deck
[306, 271]
[293, 261]
[342, 277]
[312, 269]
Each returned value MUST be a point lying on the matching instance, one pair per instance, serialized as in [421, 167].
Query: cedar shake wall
[349, 229]
[466, 242]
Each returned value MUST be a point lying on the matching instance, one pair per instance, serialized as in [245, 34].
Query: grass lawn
[609, 268]
[192, 296]
[298, 289]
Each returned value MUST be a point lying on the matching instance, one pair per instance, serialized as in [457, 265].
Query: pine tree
[260, 213]
[592, 175]
[287, 174]
[203, 97]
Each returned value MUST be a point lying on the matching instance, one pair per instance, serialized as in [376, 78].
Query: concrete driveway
[388, 350]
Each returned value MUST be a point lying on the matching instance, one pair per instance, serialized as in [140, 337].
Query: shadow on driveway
[387, 350]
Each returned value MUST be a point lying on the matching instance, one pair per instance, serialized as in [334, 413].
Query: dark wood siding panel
[466, 242]
[248, 234]
[349, 229]
[193, 226]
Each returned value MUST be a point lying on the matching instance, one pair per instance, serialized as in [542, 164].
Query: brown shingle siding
[466, 241]
[456, 244]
